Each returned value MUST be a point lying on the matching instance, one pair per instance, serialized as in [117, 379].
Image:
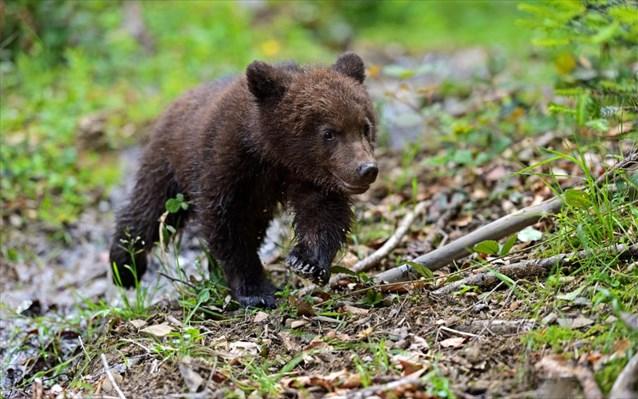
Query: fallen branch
[556, 368]
[107, 370]
[462, 247]
[377, 256]
[496, 327]
[410, 379]
[626, 385]
[496, 230]
[532, 268]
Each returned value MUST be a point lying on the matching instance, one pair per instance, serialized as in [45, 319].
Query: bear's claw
[316, 274]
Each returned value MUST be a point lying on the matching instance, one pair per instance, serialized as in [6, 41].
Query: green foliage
[593, 44]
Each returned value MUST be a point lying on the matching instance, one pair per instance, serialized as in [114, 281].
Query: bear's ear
[265, 81]
[351, 65]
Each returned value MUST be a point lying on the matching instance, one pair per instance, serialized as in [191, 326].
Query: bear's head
[319, 123]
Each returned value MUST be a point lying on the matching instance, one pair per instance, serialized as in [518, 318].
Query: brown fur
[238, 147]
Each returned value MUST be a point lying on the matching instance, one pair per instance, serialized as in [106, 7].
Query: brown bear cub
[236, 148]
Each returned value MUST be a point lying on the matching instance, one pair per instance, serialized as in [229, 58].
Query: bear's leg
[322, 222]
[234, 238]
[137, 226]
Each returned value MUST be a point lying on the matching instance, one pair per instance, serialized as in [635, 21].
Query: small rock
[260, 316]
[549, 319]
[455, 342]
[158, 330]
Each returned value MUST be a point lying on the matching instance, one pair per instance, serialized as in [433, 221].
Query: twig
[177, 280]
[107, 370]
[626, 385]
[529, 268]
[392, 242]
[458, 332]
[496, 230]
[410, 379]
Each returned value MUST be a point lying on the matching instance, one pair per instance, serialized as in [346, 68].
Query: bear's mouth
[352, 188]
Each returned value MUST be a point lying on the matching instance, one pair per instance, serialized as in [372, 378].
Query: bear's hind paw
[257, 301]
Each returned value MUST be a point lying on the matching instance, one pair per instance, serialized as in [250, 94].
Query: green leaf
[529, 234]
[570, 296]
[174, 205]
[422, 270]
[487, 247]
[576, 198]
[507, 246]
[506, 279]
[203, 296]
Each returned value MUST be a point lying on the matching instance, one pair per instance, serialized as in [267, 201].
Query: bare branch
[626, 385]
[532, 268]
[462, 247]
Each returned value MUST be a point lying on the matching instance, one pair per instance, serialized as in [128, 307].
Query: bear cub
[238, 147]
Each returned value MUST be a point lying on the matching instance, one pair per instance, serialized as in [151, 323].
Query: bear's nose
[368, 172]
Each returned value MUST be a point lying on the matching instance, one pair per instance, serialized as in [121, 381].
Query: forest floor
[457, 129]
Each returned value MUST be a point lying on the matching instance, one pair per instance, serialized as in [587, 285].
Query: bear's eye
[366, 130]
[329, 134]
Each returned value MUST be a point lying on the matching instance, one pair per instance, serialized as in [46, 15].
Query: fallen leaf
[289, 342]
[192, 379]
[158, 330]
[365, 333]
[352, 381]
[137, 323]
[529, 234]
[455, 342]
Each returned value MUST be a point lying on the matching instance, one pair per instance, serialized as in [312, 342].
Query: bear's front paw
[306, 269]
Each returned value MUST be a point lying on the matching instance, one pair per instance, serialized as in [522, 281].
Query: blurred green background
[81, 79]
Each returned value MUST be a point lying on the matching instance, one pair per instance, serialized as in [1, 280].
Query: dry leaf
[355, 310]
[158, 330]
[455, 342]
[192, 379]
[289, 342]
[137, 323]
[242, 348]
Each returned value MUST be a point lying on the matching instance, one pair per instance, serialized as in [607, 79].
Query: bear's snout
[368, 172]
